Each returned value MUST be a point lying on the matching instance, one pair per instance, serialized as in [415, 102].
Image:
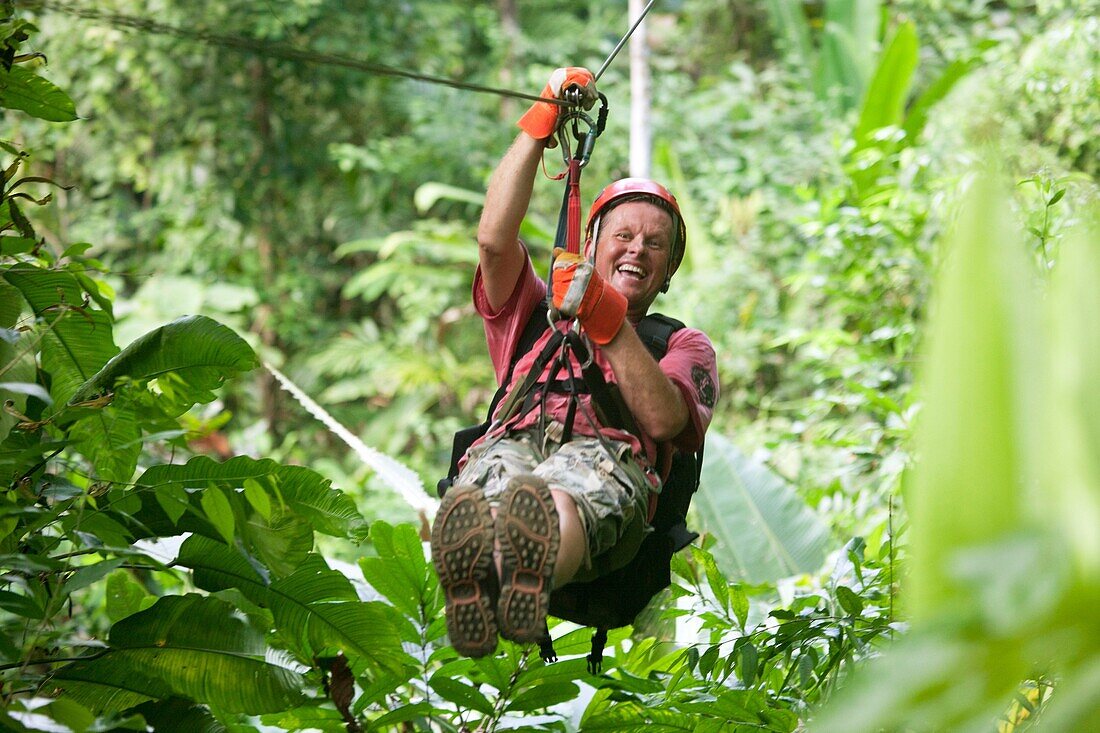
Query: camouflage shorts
[611, 491]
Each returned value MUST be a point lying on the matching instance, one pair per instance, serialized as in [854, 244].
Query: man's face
[632, 252]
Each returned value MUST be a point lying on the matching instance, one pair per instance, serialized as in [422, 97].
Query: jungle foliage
[893, 245]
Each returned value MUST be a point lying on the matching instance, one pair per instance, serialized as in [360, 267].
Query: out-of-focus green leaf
[22, 89]
[764, 530]
[971, 462]
[430, 193]
[917, 115]
[848, 48]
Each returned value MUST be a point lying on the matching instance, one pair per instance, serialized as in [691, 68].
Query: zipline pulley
[570, 122]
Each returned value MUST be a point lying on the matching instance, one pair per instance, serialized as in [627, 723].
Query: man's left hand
[578, 290]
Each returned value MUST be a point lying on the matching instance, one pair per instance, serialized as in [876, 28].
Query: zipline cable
[276, 50]
[624, 39]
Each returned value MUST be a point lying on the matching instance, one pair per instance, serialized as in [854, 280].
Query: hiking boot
[462, 552]
[527, 529]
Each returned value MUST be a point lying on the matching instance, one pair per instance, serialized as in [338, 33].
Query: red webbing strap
[573, 230]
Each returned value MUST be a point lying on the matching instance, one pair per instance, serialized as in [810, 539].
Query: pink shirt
[689, 363]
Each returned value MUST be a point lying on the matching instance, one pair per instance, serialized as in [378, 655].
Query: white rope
[393, 473]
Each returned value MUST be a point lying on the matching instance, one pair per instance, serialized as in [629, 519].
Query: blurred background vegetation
[820, 148]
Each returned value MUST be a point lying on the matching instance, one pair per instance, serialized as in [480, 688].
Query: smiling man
[551, 494]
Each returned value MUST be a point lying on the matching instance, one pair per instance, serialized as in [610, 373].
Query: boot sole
[527, 529]
[462, 553]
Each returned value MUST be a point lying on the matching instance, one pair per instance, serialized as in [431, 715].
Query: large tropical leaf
[110, 438]
[194, 647]
[1005, 486]
[76, 341]
[315, 608]
[764, 529]
[17, 377]
[189, 358]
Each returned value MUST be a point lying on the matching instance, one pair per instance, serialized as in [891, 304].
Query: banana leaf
[764, 530]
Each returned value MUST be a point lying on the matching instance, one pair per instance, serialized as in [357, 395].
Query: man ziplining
[555, 491]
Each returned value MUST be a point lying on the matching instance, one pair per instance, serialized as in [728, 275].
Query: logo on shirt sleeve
[704, 385]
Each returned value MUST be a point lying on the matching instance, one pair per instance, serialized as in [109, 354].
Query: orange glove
[578, 290]
[541, 120]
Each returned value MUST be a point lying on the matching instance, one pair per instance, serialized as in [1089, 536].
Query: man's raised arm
[506, 201]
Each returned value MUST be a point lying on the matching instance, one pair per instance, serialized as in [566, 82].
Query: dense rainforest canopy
[236, 337]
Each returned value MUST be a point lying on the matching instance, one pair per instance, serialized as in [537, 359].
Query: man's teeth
[633, 270]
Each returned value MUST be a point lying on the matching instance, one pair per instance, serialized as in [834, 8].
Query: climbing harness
[614, 599]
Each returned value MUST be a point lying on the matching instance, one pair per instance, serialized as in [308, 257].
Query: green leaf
[179, 716]
[402, 714]
[89, 574]
[884, 106]
[24, 90]
[974, 358]
[764, 530]
[632, 716]
[10, 246]
[884, 102]
[76, 341]
[219, 512]
[717, 582]
[847, 48]
[849, 601]
[20, 605]
[401, 572]
[124, 596]
[281, 543]
[543, 696]
[257, 497]
[917, 116]
[748, 660]
[305, 493]
[110, 438]
[315, 608]
[189, 358]
[466, 697]
[739, 602]
[189, 646]
[429, 193]
[792, 29]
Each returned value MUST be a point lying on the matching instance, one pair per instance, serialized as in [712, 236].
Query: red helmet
[634, 189]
